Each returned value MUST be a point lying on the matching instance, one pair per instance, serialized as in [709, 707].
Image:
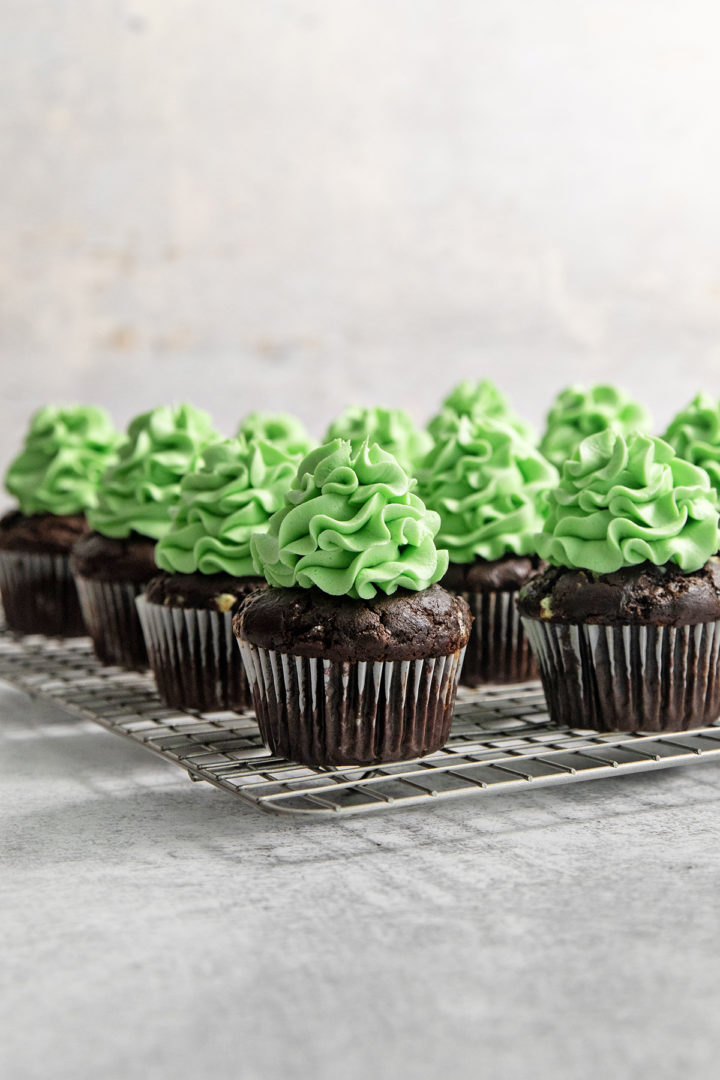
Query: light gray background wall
[299, 203]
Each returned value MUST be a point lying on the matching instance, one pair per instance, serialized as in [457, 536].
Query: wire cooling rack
[501, 740]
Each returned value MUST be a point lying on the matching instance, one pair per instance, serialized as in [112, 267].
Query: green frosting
[66, 451]
[577, 413]
[479, 401]
[140, 491]
[695, 435]
[489, 486]
[351, 524]
[391, 429]
[623, 502]
[224, 502]
[280, 429]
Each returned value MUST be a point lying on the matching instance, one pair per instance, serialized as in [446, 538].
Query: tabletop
[157, 927]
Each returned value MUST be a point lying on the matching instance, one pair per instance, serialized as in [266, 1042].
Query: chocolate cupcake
[578, 412]
[186, 612]
[114, 563]
[353, 653]
[477, 400]
[392, 429]
[626, 622]
[489, 486]
[55, 480]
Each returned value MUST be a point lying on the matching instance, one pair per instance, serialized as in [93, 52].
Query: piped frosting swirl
[489, 487]
[223, 503]
[66, 451]
[351, 525]
[623, 502]
[140, 491]
[578, 412]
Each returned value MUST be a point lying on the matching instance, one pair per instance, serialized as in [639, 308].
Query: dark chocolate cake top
[309, 622]
[637, 595]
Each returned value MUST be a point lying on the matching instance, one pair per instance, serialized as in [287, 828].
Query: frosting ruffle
[578, 412]
[620, 503]
[489, 486]
[66, 451]
[392, 429]
[478, 400]
[139, 492]
[226, 501]
[351, 525]
[280, 429]
[694, 434]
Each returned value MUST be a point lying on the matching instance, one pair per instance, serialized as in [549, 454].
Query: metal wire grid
[501, 740]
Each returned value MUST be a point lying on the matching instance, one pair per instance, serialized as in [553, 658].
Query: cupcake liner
[498, 650]
[112, 620]
[39, 594]
[324, 712]
[194, 657]
[629, 678]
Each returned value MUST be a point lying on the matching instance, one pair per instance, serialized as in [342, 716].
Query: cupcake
[114, 563]
[392, 429]
[578, 412]
[694, 435]
[626, 621]
[353, 653]
[280, 429]
[55, 480]
[489, 487]
[479, 400]
[186, 611]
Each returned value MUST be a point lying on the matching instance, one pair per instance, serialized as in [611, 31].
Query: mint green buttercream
[280, 429]
[224, 502]
[66, 451]
[139, 493]
[392, 429]
[477, 400]
[578, 412]
[351, 525]
[489, 486]
[623, 502]
[695, 436]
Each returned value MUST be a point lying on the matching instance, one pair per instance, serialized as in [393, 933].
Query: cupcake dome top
[351, 525]
[392, 429]
[622, 502]
[279, 428]
[478, 400]
[222, 504]
[66, 451]
[488, 485]
[694, 434]
[578, 412]
[138, 493]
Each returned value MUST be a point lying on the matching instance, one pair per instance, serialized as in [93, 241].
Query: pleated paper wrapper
[39, 594]
[498, 650]
[112, 620]
[324, 712]
[629, 678]
[194, 657]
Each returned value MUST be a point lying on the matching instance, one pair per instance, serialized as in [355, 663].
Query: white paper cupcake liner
[498, 650]
[324, 712]
[629, 678]
[194, 657]
[39, 594]
[112, 620]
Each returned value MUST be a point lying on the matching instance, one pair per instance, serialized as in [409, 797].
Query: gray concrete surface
[158, 928]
